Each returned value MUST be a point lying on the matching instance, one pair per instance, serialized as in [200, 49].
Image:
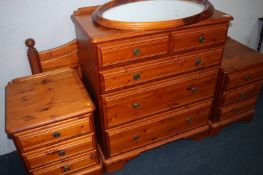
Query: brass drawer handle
[202, 39]
[66, 168]
[136, 52]
[194, 90]
[248, 78]
[243, 95]
[136, 138]
[56, 134]
[198, 62]
[137, 76]
[189, 120]
[61, 152]
[236, 111]
[136, 105]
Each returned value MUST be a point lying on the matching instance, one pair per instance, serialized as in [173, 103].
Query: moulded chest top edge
[82, 18]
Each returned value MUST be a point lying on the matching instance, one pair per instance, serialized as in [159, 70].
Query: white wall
[49, 23]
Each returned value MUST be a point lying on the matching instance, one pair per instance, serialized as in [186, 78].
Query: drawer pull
[202, 39]
[198, 62]
[194, 90]
[137, 76]
[61, 153]
[236, 111]
[136, 105]
[189, 120]
[66, 168]
[56, 134]
[248, 77]
[136, 52]
[243, 96]
[136, 138]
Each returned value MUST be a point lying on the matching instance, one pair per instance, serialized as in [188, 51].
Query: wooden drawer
[244, 77]
[52, 133]
[141, 101]
[193, 39]
[238, 108]
[46, 155]
[147, 131]
[132, 49]
[241, 93]
[142, 72]
[69, 166]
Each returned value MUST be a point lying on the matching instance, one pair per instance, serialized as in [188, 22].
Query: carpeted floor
[237, 150]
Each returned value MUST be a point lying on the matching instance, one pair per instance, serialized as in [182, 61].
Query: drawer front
[46, 155]
[244, 77]
[158, 127]
[53, 133]
[132, 49]
[68, 166]
[194, 39]
[141, 101]
[241, 93]
[142, 72]
[238, 108]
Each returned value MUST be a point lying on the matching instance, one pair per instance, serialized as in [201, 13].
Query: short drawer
[68, 166]
[52, 133]
[46, 155]
[194, 39]
[158, 127]
[241, 93]
[244, 77]
[136, 103]
[237, 108]
[142, 72]
[132, 49]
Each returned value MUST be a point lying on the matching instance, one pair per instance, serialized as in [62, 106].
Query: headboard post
[33, 57]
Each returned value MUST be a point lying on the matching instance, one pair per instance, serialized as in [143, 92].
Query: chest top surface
[237, 57]
[45, 98]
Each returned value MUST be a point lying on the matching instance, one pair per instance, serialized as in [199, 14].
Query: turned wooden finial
[33, 57]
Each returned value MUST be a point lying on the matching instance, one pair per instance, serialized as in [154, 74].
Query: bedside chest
[50, 118]
[239, 83]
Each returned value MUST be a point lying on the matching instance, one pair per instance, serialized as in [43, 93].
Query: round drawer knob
[136, 138]
[189, 120]
[136, 105]
[56, 134]
[136, 52]
[137, 76]
[66, 168]
[198, 62]
[236, 111]
[243, 96]
[62, 153]
[194, 90]
[202, 39]
[248, 77]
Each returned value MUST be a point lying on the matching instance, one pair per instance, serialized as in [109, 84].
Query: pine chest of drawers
[50, 118]
[239, 83]
[150, 87]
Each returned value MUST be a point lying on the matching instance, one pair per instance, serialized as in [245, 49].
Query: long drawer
[71, 147]
[137, 73]
[161, 126]
[132, 49]
[69, 166]
[237, 108]
[155, 97]
[196, 39]
[52, 133]
[242, 93]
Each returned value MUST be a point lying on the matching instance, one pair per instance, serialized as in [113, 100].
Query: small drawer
[142, 72]
[237, 109]
[241, 93]
[194, 39]
[244, 77]
[68, 166]
[136, 103]
[132, 49]
[158, 127]
[52, 133]
[46, 155]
